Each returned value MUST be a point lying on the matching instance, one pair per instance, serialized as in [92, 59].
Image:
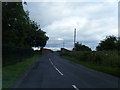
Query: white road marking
[75, 87]
[58, 71]
[50, 61]
[55, 67]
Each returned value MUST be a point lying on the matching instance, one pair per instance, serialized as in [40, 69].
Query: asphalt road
[52, 71]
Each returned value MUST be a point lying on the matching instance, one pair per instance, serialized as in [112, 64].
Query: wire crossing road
[52, 71]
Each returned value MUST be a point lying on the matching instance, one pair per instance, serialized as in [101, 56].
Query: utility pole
[74, 37]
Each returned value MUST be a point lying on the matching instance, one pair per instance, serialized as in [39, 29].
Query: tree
[80, 47]
[40, 39]
[118, 44]
[13, 20]
[109, 43]
[18, 29]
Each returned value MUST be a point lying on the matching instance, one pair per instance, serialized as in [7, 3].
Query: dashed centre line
[61, 73]
[58, 71]
[75, 87]
[51, 61]
[55, 67]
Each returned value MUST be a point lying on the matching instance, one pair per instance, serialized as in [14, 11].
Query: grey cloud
[93, 20]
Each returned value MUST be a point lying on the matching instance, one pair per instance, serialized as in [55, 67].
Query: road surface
[52, 71]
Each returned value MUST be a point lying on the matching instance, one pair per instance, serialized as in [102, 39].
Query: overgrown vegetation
[103, 68]
[109, 43]
[80, 47]
[12, 73]
[108, 58]
[19, 33]
[105, 59]
[18, 29]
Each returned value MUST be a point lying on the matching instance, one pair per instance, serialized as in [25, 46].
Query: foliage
[80, 47]
[109, 43]
[12, 55]
[40, 39]
[18, 29]
[107, 69]
[19, 33]
[118, 44]
[107, 58]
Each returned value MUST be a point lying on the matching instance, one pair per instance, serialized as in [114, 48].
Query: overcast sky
[92, 20]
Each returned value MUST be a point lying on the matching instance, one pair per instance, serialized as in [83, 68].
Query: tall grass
[107, 69]
[106, 61]
[108, 58]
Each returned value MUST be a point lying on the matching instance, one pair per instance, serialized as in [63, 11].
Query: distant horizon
[93, 21]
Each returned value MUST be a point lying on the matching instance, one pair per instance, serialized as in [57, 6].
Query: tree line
[109, 43]
[18, 29]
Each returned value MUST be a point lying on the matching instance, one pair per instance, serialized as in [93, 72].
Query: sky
[93, 20]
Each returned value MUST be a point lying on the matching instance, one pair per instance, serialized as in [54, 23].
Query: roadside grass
[12, 72]
[106, 69]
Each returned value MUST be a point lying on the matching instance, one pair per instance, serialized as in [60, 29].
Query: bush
[107, 58]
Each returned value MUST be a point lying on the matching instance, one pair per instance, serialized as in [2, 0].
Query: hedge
[13, 55]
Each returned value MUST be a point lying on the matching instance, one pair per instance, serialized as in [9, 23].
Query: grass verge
[12, 72]
[107, 69]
